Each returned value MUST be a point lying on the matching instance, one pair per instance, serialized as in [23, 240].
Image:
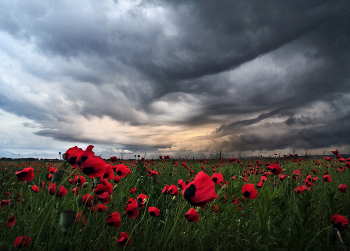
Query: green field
[279, 218]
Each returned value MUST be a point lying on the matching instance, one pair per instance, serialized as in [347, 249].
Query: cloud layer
[178, 77]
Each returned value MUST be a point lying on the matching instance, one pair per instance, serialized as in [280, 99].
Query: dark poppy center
[21, 175]
[246, 194]
[88, 170]
[119, 172]
[122, 241]
[215, 179]
[338, 225]
[190, 191]
[72, 160]
[82, 160]
[110, 224]
[129, 212]
[152, 213]
[11, 219]
[139, 200]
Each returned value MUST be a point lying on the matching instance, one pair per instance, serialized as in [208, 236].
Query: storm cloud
[175, 77]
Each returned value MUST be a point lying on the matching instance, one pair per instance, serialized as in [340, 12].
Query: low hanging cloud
[179, 77]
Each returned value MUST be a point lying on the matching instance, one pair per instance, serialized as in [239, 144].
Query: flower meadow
[88, 203]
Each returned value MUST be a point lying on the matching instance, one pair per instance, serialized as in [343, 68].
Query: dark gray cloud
[264, 75]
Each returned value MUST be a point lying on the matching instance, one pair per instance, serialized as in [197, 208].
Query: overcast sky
[174, 77]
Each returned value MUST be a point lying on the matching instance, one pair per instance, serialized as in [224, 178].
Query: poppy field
[89, 203]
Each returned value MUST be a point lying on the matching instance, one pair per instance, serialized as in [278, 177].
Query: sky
[179, 78]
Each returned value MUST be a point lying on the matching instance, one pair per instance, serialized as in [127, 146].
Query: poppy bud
[96, 180]
[86, 184]
[67, 219]
[154, 178]
[4, 246]
[79, 200]
[57, 176]
[65, 246]
[16, 196]
[12, 204]
[30, 188]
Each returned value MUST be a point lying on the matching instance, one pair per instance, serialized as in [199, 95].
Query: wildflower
[276, 169]
[214, 209]
[123, 239]
[165, 189]
[113, 220]
[116, 179]
[10, 221]
[101, 208]
[131, 210]
[71, 156]
[181, 184]
[22, 241]
[327, 178]
[200, 191]
[25, 174]
[191, 215]
[282, 177]
[133, 190]
[153, 211]
[109, 174]
[217, 178]
[300, 189]
[340, 222]
[80, 218]
[122, 170]
[343, 188]
[35, 189]
[249, 191]
[141, 199]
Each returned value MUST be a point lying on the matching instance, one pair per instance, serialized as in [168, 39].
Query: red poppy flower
[109, 173]
[122, 170]
[181, 184]
[71, 156]
[35, 189]
[276, 169]
[249, 191]
[61, 191]
[80, 180]
[300, 189]
[327, 178]
[141, 200]
[132, 210]
[113, 220]
[200, 191]
[104, 197]
[22, 241]
[165, 189]
[10, 221]
[153, 211]
[191, 215]
[335, 152]
[133, 190]
[80, 218]
[173, 190]
[25, 174]
[104, 186]
[260, 184]
[296, 174]
[343, 188]
[214, 209]
[114, 159]
[340, 222]
[101, 208]
[93, 166]
[263, 179]
[123, 239]
[116, 179]
[88, 200]
[217, 178]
